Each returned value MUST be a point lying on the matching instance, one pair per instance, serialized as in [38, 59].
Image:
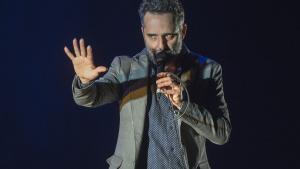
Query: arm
[87, 91]
[101, 91]
[211, 121]
[214, 124]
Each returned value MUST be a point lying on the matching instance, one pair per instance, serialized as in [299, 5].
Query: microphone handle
[160, 67]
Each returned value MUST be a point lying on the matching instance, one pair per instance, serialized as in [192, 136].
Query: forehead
[159, 22]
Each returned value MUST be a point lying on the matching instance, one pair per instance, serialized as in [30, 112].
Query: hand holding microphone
[166, 81]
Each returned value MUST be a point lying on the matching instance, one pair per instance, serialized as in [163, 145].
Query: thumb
[101, 69]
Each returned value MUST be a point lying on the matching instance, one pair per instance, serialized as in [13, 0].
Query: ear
[142, 29]
[184, 30]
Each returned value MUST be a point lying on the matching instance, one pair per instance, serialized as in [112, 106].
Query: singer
[162, 125]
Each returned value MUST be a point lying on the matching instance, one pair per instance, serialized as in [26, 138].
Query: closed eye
[171, 36]
[152, 36]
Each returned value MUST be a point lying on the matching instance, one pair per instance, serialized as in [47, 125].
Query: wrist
[178, 105]
[84, 81]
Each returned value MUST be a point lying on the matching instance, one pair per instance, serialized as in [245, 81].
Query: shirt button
[171, 127]
[172, 149]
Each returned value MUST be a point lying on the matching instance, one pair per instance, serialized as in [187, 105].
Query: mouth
[163, 56]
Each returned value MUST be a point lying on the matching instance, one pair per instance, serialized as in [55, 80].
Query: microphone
[161, 59]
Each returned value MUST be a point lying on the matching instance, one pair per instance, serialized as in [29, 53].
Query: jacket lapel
[138, 96]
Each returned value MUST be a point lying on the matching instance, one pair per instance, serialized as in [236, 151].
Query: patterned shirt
[165, 150]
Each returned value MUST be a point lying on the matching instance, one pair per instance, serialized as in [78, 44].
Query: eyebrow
[154, 34]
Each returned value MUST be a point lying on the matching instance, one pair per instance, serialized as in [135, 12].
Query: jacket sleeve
[213, 123]
[104, 90]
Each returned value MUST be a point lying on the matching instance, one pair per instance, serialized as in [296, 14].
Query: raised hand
[83, 62]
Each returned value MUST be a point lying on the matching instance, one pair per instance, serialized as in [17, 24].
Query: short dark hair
[162, 6]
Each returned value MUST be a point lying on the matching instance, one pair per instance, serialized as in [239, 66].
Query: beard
[164, 56]
[161, 58]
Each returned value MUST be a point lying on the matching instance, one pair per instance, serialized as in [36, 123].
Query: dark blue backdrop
[42, 128]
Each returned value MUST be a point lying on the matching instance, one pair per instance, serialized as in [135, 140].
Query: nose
[161, 44]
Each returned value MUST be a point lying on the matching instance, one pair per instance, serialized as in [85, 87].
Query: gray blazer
[206, 116]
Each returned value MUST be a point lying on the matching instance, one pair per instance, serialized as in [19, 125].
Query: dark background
[257, 43]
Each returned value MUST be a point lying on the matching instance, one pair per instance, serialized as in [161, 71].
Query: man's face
[161, 33]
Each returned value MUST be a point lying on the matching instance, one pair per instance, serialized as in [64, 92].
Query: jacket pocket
[114, 162]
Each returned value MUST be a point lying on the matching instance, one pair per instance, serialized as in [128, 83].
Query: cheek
[149, 43]
[174, 44]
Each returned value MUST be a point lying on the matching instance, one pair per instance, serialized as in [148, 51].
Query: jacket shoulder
[207, 66]
[124, 63]
[203, 60]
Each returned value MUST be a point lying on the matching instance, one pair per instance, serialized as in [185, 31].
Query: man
[161, 125]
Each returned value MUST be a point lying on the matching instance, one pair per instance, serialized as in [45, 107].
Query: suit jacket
[126, 81]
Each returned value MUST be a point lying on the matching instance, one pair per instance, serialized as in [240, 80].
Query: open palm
[83, 62]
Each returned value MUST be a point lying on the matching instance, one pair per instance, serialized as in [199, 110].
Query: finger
[173, 99]
[75, 46]
[169, 92]
[164, 79]
[101, 69]
[177, 88]
[169, 97]
[172, 90]
[164, 84]
[162, 74]
[82, 48]
[89, 53]
[68, 53]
